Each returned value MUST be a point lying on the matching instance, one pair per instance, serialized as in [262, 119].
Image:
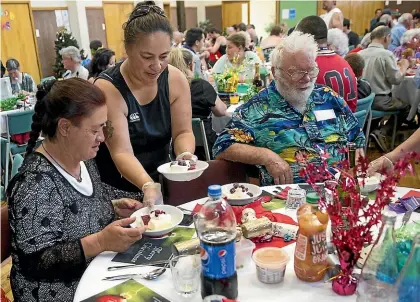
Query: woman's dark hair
[356, 62]
[146, 18]
[12, 64]
[238, 39]
[100, 61]
[242, 26]
[71, 99]
[276, 30]
[3, 69]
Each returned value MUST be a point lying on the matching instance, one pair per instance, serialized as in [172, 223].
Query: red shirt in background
[355, 50]
[336, 73]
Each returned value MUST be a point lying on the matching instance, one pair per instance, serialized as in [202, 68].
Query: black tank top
[222, 49]
[149, 127]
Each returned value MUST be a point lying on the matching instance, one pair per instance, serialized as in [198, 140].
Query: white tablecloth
[408, 93]
[3, 120]
[250, 289]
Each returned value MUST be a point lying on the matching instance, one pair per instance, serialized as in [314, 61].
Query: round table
[250, 289]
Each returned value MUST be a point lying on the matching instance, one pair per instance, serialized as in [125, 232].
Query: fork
[406, 218]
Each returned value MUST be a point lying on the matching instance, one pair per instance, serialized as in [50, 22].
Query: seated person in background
[194, 42]
[338, 41]
[382, 72]
[219, 44]
[94, 46]
[178, 39]
[409, 40]
[60, 213]
[268, 44]
[236, 53]
[353, 37]
[102, 60]
[20, 81]
[404, 23]
[204, 99]
[363, 44]
[357, 63]
[334, 71]
[213, 57]
[291, 119]
[72, 62]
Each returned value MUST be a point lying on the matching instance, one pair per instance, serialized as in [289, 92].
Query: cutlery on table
[148, 276]
[114, 268]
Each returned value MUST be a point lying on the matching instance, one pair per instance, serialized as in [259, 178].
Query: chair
[5, 233]
[219, 172]
[17, 162]
[200, 136]
[361, 117]
[365, 104]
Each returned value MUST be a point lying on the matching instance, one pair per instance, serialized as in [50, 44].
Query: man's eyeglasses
[300, 74]
[144, 10]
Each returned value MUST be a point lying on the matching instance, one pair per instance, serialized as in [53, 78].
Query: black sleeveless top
[149, 127]
[222, 49]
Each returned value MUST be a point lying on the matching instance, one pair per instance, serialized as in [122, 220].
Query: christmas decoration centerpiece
[353, 217]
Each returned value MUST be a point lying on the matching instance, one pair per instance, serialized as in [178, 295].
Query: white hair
[365, 41]
[71, 52]
[247, 37]
[410, 35]
[296, 42]
[339, 41]
[404, 17]
[386, 19]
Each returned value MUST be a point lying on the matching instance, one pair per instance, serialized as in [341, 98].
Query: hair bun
[44, 88]
[146, 3]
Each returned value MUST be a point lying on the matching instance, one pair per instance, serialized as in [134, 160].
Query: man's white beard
[294, 97]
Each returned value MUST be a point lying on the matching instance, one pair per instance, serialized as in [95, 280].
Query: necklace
[79, 178]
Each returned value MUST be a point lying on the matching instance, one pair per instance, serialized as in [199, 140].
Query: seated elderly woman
[409, 41]
[338, 41]
[72, 61]
[20, 81]
[103, 59]
[60, 213]
[237, 54]
[292, 119]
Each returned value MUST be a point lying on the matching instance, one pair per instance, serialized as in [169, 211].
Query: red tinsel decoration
[352, 216]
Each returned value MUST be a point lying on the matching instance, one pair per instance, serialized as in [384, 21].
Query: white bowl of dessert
[183, 170]
[370, 183]
[161, 221]
[238, 194]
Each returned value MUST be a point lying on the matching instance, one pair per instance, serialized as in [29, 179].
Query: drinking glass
[186, 274]
[295, 198]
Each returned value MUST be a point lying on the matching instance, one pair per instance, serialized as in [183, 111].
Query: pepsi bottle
[216, 229]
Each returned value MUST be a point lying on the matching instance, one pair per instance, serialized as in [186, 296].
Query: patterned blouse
[27, 84]
[268, 121]
[48, 217]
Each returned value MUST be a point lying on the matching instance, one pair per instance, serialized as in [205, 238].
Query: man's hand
[279, 169]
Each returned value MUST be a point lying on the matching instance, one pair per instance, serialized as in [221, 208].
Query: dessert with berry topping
[182, 165]
[157, 220]
[239, 192]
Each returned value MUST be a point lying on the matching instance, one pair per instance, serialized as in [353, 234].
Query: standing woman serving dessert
[148, 105]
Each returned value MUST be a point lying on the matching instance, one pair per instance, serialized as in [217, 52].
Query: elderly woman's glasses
[144, 10]
[300, 74]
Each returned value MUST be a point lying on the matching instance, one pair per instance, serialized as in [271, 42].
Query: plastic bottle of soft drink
[216, 229]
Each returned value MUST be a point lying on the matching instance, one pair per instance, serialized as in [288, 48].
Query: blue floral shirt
[269, 121]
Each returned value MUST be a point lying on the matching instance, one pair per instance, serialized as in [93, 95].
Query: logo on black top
[134, 117]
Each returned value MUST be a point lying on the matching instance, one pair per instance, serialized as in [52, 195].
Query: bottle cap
[312, 198]
[214, 190]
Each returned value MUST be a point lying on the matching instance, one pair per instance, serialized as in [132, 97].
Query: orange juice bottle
[311, 245]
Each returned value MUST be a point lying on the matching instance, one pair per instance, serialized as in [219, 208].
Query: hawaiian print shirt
[268, 121]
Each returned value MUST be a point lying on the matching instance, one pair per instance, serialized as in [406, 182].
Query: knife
[115, 268]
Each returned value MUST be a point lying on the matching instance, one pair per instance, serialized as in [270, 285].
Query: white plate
[183, 176]
[371, 183]
[255, 190]
[176, 215]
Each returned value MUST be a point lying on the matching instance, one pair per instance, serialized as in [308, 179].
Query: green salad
[10, 103]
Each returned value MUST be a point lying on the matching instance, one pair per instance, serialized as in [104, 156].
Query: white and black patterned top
[48, 217]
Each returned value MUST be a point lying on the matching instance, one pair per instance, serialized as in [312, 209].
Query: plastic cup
[243, 250]
[234, 99]
[271, 264]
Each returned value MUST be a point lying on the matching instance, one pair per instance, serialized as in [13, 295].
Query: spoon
[148, 276]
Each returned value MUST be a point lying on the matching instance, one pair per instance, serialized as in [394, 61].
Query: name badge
[322, 115]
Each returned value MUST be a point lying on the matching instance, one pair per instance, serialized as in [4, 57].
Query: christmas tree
[63, 39]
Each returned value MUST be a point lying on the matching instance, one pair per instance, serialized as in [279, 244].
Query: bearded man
[292, 119]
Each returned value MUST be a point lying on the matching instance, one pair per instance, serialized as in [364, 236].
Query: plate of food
[160, 221]
[183, 170]
[370, 184]
[238, 194]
